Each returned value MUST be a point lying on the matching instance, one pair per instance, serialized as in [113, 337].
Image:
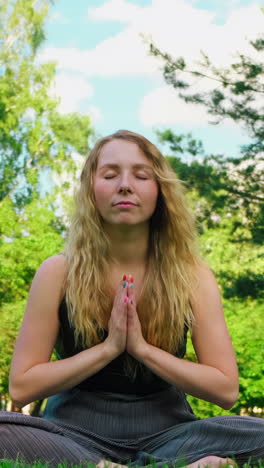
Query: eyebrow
[135, 166]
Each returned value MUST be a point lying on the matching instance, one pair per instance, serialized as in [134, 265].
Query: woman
[116, 307]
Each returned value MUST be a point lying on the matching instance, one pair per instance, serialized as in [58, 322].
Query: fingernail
[131, 279]
[132, 285]
[124, 284]
[126, 299]
[131, 302]
[124, 278]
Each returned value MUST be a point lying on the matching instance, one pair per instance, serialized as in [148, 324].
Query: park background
[187, 74]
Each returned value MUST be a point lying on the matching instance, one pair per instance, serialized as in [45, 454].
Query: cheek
[152, 194]
[100, 191]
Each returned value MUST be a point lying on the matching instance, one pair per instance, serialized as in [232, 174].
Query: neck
[129, 244]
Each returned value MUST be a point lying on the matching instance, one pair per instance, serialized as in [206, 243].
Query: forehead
[122, 152]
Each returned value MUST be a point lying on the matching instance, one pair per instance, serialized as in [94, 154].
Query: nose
[124, 182]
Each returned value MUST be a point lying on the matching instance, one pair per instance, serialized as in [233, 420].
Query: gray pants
[65, 432]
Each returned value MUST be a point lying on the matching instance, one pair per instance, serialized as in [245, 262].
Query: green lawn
[13, 464]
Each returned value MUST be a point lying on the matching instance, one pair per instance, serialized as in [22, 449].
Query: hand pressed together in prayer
[136, 343]
[124, 328]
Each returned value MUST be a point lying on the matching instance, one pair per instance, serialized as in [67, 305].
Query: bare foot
[211, 461]
[107, 464]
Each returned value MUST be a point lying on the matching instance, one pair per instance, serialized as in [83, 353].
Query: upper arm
[210, 337]
[40, 325]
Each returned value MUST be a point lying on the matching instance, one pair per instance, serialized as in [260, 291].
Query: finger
[131, 300]
[130, 315]
[121, 292]
[131, 296]
[125, 282]
[131, 287]
[131, 309]
[125, 290]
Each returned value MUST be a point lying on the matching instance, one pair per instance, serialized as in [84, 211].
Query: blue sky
[103, 68]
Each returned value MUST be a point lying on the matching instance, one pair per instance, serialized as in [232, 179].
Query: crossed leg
[30, 444]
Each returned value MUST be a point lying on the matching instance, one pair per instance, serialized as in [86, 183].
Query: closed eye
[138, 177]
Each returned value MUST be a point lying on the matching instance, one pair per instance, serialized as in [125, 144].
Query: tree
[227, 196]
[36, 141]
[34, 136]
[238, 95]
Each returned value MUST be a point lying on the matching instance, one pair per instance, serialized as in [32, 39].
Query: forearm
[199, 380]
[49, 378]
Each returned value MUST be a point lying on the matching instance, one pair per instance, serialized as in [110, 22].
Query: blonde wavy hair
[164, 307]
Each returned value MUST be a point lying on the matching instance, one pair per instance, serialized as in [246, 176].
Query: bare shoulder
[52, 272]
[55, 263]
[204, 272]
[207, 288]
[48, 285]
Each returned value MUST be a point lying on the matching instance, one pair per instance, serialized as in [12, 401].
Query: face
[121, 164]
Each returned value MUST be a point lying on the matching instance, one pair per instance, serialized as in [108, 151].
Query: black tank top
[112, 377]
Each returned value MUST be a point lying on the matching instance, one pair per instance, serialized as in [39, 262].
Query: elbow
[18, 404]
[228, 404]
[16, 398]
[229, 400]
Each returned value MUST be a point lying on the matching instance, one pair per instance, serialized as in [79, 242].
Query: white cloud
[177, 27]
[72, 90]
[123, 54]
[95, 114]
[115, 10]
[162, 106]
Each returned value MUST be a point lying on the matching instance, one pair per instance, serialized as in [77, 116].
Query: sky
[104, 69]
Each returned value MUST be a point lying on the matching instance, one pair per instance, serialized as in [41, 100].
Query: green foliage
[237, 262]
[232, 187]
[231, 242]
[238, 267]
[236, 95]
[34, 239]
[233, 184]
[248, 340]
[10, 317]
[245, 324]
[33, 135]
[36, 143]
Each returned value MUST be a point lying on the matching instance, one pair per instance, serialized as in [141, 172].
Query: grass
[4, 463]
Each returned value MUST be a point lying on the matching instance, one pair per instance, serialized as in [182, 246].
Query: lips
[125, 203]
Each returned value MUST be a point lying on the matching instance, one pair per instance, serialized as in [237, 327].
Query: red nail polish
[126, 299]
[131, 279]
[124, 278]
